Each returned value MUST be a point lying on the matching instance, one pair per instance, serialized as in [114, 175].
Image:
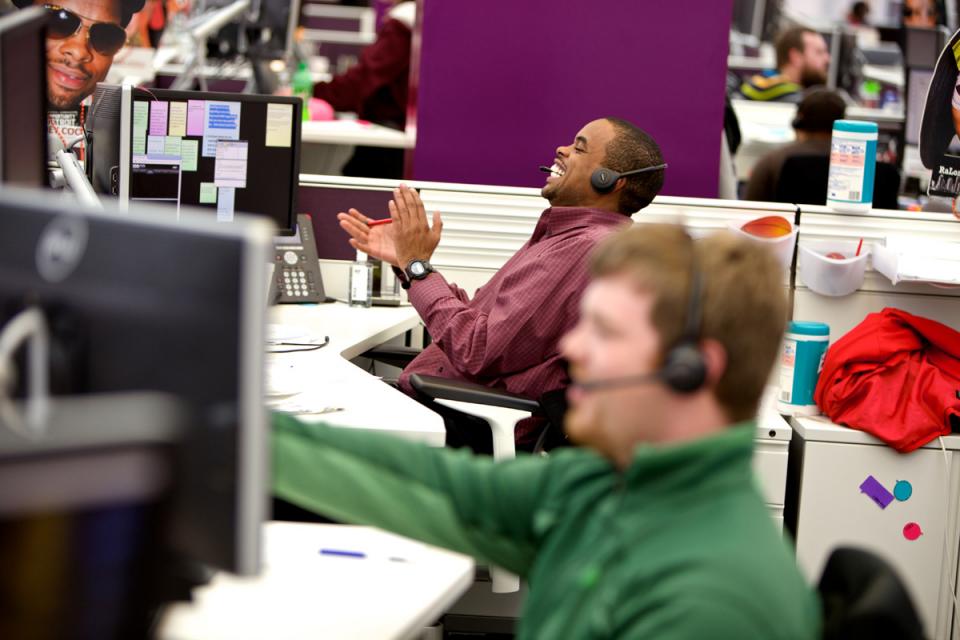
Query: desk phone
[296, 271]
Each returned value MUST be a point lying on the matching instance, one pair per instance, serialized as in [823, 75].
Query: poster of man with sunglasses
[82, 38]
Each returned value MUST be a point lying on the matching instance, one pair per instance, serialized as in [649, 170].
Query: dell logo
[61, 247]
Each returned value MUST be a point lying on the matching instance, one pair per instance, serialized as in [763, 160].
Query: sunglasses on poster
[106, 38]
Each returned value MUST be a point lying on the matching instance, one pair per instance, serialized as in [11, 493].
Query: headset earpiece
[684, 370]
[603, 179]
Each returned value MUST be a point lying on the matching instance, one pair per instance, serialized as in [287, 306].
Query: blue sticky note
[902, 490]
[876, 492]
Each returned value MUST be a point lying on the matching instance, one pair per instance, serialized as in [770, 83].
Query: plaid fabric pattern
[507, 336]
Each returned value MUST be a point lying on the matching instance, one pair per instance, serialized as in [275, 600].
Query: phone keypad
[295, 283]
[292, 280]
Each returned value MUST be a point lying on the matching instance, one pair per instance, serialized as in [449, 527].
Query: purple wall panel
[323, 204]
[503, 83]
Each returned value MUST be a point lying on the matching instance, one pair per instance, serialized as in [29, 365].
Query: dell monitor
[143, 303]
[222, 152]
[23, 98]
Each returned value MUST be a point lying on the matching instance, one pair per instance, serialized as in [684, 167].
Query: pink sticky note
[195, 117]
[912, 531]
[158, 117]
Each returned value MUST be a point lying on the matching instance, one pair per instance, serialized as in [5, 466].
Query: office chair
[863, 598]
[803, 180]
[501, 410]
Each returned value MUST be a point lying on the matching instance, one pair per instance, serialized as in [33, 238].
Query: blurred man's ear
[715, 357]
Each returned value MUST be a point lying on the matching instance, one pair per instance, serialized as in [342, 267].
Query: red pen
[374, 223]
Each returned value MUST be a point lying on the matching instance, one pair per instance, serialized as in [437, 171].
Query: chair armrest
[395, 355]
[445, 389]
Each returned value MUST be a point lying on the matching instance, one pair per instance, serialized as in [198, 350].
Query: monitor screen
[921, 47]
[222, 152]
[139, 302]
[918, 81]
[23, 98]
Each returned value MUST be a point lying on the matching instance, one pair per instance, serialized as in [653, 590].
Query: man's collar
[556, 220]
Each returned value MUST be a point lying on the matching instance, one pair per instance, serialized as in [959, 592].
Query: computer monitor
[223, 152]
[23, 98]
[139, 302]
[918, 82]
[83, 517]
[921, 47]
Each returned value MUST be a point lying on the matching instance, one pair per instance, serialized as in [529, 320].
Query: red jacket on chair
[896, 376]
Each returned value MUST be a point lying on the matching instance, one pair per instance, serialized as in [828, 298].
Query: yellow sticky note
[208, 193]
[178, 119]
[279, 125]
[188, 155]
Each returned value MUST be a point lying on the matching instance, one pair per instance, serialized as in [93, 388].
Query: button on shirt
[507, 336]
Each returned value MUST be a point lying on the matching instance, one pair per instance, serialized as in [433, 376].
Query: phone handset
[296, 269]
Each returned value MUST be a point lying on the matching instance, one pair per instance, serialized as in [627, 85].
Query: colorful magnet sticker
[876, 492]
[912, 531]
[902, 490]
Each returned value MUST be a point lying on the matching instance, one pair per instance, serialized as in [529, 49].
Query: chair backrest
[886, 186]
[803, 179]
[863, 597]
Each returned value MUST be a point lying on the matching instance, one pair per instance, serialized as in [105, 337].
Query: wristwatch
[418, 269]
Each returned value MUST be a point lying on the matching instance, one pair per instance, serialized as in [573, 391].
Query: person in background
[813, 126]
[858, 14]
[376, 89]
[506, 337]
[920, 13]
[653, 527]
[802, 62]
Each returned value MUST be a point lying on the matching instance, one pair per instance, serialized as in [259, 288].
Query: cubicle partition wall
[484, 225]
[828, 463]
[819, 500]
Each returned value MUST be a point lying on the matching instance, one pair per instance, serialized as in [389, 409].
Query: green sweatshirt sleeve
[449, 498]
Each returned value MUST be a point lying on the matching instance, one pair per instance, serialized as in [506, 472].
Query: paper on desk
[904, 259]
[287, 333]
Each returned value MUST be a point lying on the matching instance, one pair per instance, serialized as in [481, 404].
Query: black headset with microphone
[603, 180]
[684, 369]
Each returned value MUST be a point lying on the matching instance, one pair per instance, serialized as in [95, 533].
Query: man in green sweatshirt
[653, 527]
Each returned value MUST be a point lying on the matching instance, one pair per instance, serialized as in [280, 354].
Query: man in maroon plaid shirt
[506, 336]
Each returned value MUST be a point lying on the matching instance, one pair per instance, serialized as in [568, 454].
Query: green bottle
[302, 85]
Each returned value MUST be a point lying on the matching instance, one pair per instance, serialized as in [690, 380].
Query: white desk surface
[821, 429]
[401, 587]
[314, 380]
[354, 132]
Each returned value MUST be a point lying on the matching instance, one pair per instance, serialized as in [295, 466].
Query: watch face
[417, 268]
